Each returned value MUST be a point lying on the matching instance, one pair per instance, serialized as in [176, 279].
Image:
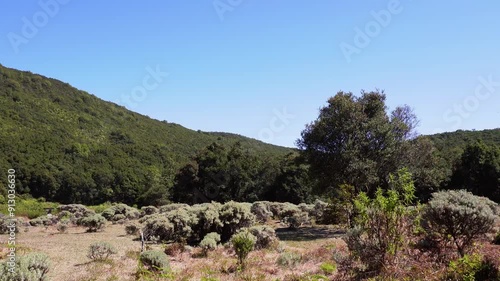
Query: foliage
[328, 268]
[471, 268]
[340, 210]
[43, 221]
[458, 216]
[354, 141]
[235, 216]
[119, 212]
[478, 171]
[243, 243]
[209, 243]
[62, 227]
[31, 267]
[29, 207]
[381, 222]
[100, 251]
[155, 261]
[72, 147]
[132, 229]
[265, 236]
[289, 259]
[261, 211]
[93, 223]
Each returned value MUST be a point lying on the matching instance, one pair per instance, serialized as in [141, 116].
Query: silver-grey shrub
[155, 261]
[31, 267]
[119, 212]
[265, 235]
[93, 223]
[100, 251]
[235, 216]
[210, 242]
[261, 210]
[458, 217]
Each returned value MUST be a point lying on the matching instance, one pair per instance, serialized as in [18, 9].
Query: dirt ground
[68, 254]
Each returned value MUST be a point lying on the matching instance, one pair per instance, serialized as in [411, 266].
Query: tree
[354, 141]
[478, 171]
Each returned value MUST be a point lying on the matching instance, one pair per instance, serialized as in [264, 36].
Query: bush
[471, 268]
[101, 251]
[121, 212]
[175, 248]
[4, 225]
[328, 268]
[496, 240]
[235, 216]
[289, 259]
[149, 210]
[209, 243]
[93, 223]
[32, 267]
[265, 235]
[155, 261]
[173, 207]
[132, 229]
[62, 227]
[459, 217]
[43, 221]
[158, 227]
[243, 243]
[261, 211]
[382, 223]
[208, 221]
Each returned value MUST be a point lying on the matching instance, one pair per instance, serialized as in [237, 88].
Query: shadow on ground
[309, 233]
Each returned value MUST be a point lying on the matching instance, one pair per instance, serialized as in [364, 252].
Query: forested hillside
[70, 146]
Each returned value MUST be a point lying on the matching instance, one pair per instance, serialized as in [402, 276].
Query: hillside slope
[65, 141]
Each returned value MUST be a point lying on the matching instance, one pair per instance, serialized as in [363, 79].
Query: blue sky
[263, 68]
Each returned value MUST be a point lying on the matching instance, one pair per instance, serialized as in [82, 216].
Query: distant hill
[460, 138]
[58, 138]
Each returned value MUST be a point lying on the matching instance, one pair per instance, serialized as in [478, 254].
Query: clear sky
[263, 68]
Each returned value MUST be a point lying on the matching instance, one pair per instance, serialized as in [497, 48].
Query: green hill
[62, 141]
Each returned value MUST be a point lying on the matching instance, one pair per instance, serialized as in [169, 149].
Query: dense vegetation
[69, 146]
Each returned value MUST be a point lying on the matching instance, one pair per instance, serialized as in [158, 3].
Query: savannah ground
[68, 254]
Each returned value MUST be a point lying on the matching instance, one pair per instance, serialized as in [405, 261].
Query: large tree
[355, 141]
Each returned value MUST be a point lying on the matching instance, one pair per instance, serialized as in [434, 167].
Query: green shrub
[459, 217]
[289, 259]
[328, 268]
[31, 267]
[155, 261]
[210, 242]
[93, 223]
[471, 268]
[243, 243]
[382, 223]
[100, 251]
[29, 207]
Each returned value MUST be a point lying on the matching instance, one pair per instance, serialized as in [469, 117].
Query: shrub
[496, 240]
[62, 227]
[75, 211]
[297, 220]
[119, 212]
[458, 216]
[132, 229]
[265, 235]
[149, 210]
[173, 207]
[32, 267]
[43, 221]
[289, 259]
[328, 268]
[209, 243]
[100, 251]
[261, 211]
[243, 243]
[235, 216]
[5, 224]
[471, 268]
[158, 227]
[208, 220]
[155, 261]
[175, 248]
[93, 223]
[381, 223]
